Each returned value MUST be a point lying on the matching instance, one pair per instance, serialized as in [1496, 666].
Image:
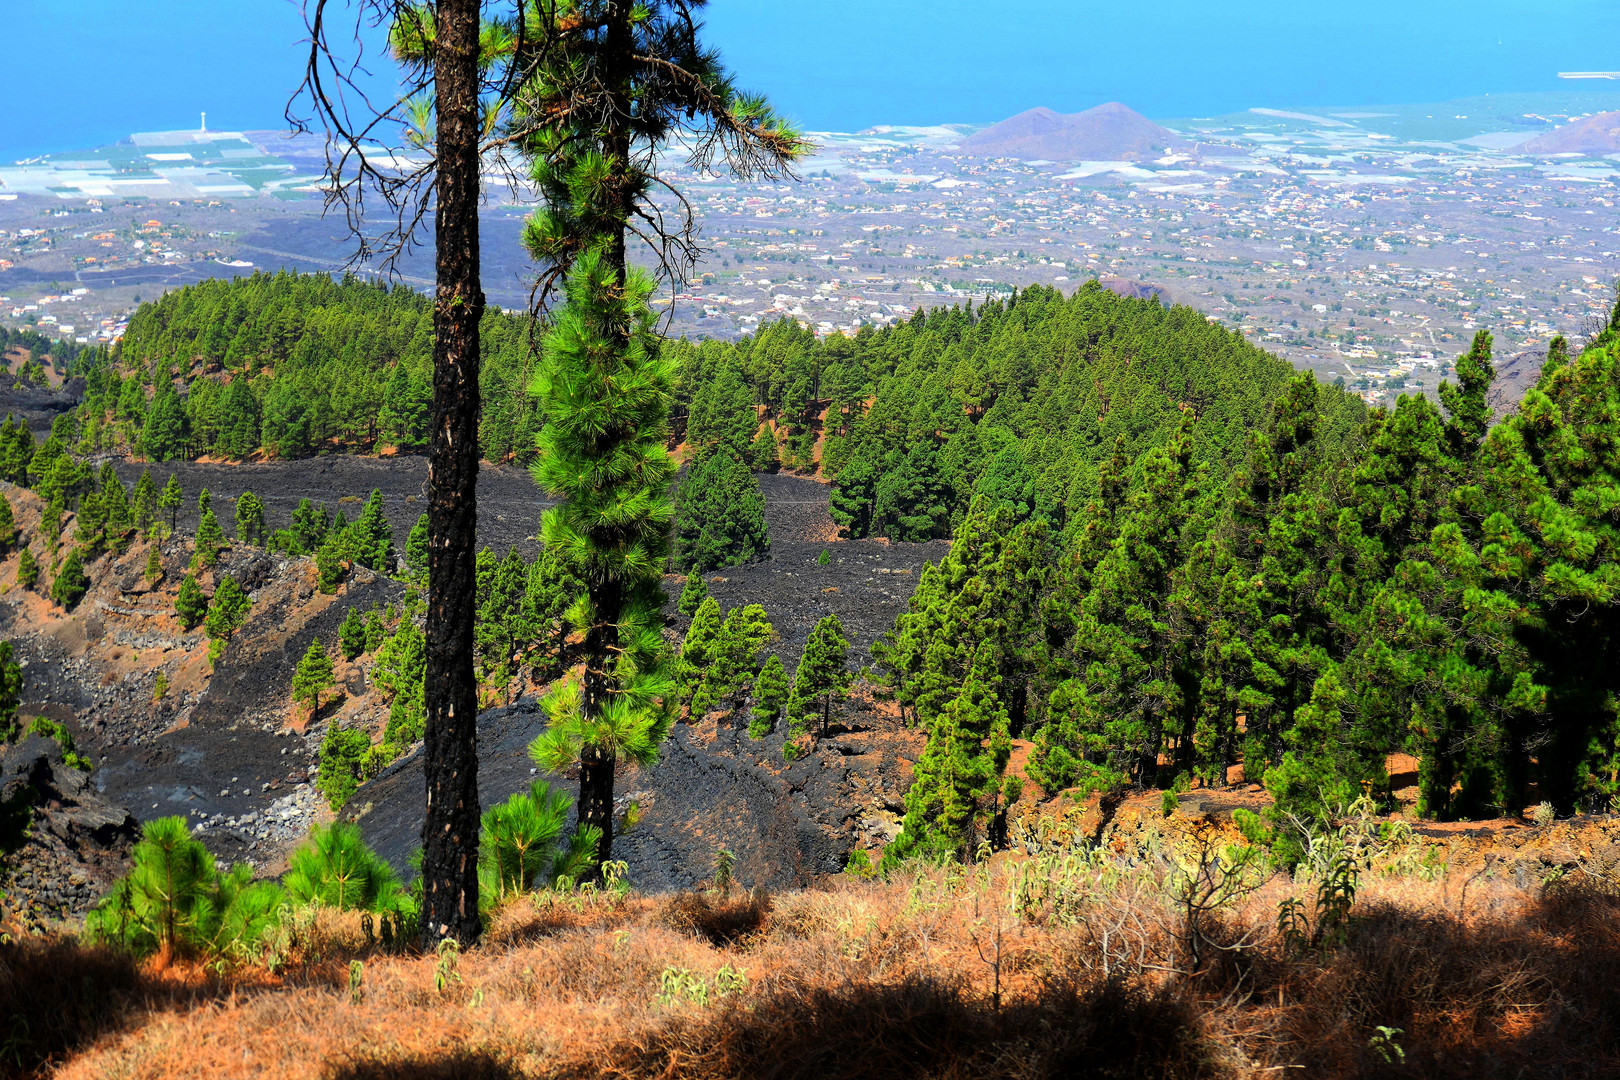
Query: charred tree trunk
[598, 760]
[450, 829]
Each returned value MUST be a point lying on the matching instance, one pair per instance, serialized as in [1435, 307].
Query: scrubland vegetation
[1184, 954]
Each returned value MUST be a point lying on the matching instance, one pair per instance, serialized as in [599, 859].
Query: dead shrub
[1500, 996]
[452, 1065]
[57, 995]
[720, 920]
[924, 1027]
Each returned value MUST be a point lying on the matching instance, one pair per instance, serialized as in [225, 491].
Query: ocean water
[87, 72]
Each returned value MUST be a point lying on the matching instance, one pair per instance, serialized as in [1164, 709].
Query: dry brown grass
[929, 975]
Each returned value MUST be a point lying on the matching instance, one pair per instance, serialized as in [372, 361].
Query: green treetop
[821, 679]
[229, 609]
[770, 695]
[190, 603]
[250, 528]
[951, 803]
[210, 538]
[372, 538]
[416, 549]
[170, 500]
[693, 593]
[313, 678]
[70, 584]
[352, 635]
[720, 515]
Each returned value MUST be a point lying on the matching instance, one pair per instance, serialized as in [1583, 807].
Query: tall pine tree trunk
[598, 761]
[450, 829]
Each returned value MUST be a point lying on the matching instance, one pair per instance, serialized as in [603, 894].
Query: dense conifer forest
[1172, 554]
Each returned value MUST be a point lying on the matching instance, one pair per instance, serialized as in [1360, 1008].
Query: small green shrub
[175, 900]
[343, 756]
[523, 847]
[41, 725]
[335, 868]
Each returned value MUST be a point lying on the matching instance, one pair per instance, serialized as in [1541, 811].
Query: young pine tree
[352, 635]
[70, 584]
[8, 526]
[250, 527]
[950, 805]
[154, 565]
[698, 648]
[371, 538]
[27, 569]
[170, 500]
[719, 515]
[210, 539]
[770, 695]
[331, 562]
[821, 678]
[313, 678]
[228, 611]
[693, 593]
[190, 603]
[145, 510]
[735, 659]
[416, 549]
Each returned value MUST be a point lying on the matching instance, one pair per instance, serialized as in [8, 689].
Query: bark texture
[450, 751]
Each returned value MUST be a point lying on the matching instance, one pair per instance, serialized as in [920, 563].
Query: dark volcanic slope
[509, 504]
[718, 788]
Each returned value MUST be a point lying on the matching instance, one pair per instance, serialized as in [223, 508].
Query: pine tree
[734, 659]
[27, 569]
[70, 583]
[154, 565]
[372, 538]
[950, 805]
[331, 563]
[416, 549]
[821, 679]
[8, 526]
[698, 648]
[190, 603]
[505, 629]
[146, 509]
[115, 505]
[723, 418]
[210, 538]
[376, 631]
[343, 751]
[605, 92]
[229, 609]
[163, 438]
[313, 678]
[170, 500]
[770, 695]
[50, 521]
[693, 593]
[352, 635]
[238, 421]
[1134, 682]
[719, 516]
[762, 455]
[250, 528]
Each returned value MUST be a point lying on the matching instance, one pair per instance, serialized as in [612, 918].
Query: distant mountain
[1110, 132]
[1598, 134]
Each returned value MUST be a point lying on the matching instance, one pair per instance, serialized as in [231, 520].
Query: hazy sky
[83, 72]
